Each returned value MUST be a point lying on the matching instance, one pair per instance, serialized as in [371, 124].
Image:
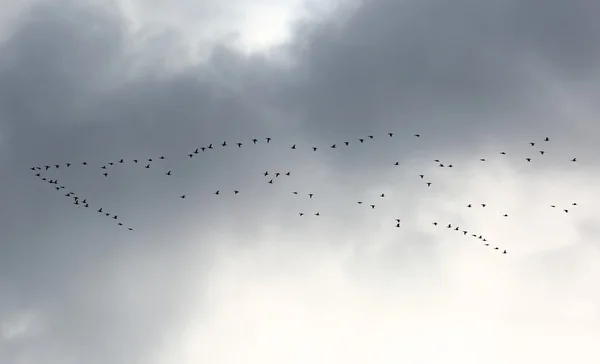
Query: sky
[243, 278]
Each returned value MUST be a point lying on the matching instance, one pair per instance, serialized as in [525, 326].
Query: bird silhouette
[168, 173]
[372, 206]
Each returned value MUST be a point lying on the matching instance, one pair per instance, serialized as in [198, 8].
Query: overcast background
[244, 279]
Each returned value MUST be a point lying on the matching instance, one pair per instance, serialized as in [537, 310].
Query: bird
[371, 137]
[528, 159]
[100, 209]
[347, 143]
[210, 146]
[147, 165]
[161, 157]
[428, 184]
[277, 174]
[168, 173]
[382, 195]
[103, 167]
[301, 213]
[449, 165]
[190, 155]
[465, 232]
[482, 159]
[361, 140]
[532, 144]
[295, 192]
[195, 151]
[266, 173]
[288, 173]
[239, 145]
[84, 163]
[574, 204]
[421, 175]
[182, 196]
[216, 193]
[469, 205]
[398, 225]
[235, 192]
[310, 195]
[542, 152]
[547, 139]
[293, 146]
[122, 161]
[483, 205]
[317, 214]
[435, 223]
[359, 202]
[505, 215]
[566, 211]
[105, 174]
[268, 140]
[333, 146]
[224, 144]
[314, 149]
[115, 217]
[372, 206]
[135, 161]
[503, 153]
[449, 226]
[574, 160]
[552, 205]
[254, 140]
[397, 163]
[418, 135]
[271, 181]
[130, 229]
[391, 134]
[504, 252]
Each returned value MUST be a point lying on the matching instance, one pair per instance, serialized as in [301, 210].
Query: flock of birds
[80, 201]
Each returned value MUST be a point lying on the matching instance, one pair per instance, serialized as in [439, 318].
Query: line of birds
[83, 202]
[268, 140]
[80, 201]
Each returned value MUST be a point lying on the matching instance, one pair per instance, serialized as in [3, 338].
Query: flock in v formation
[80, 201]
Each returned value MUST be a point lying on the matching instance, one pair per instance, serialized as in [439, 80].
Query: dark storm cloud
[71, 90]
[455, 69]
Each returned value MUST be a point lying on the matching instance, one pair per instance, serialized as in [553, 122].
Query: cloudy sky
[243, 278]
